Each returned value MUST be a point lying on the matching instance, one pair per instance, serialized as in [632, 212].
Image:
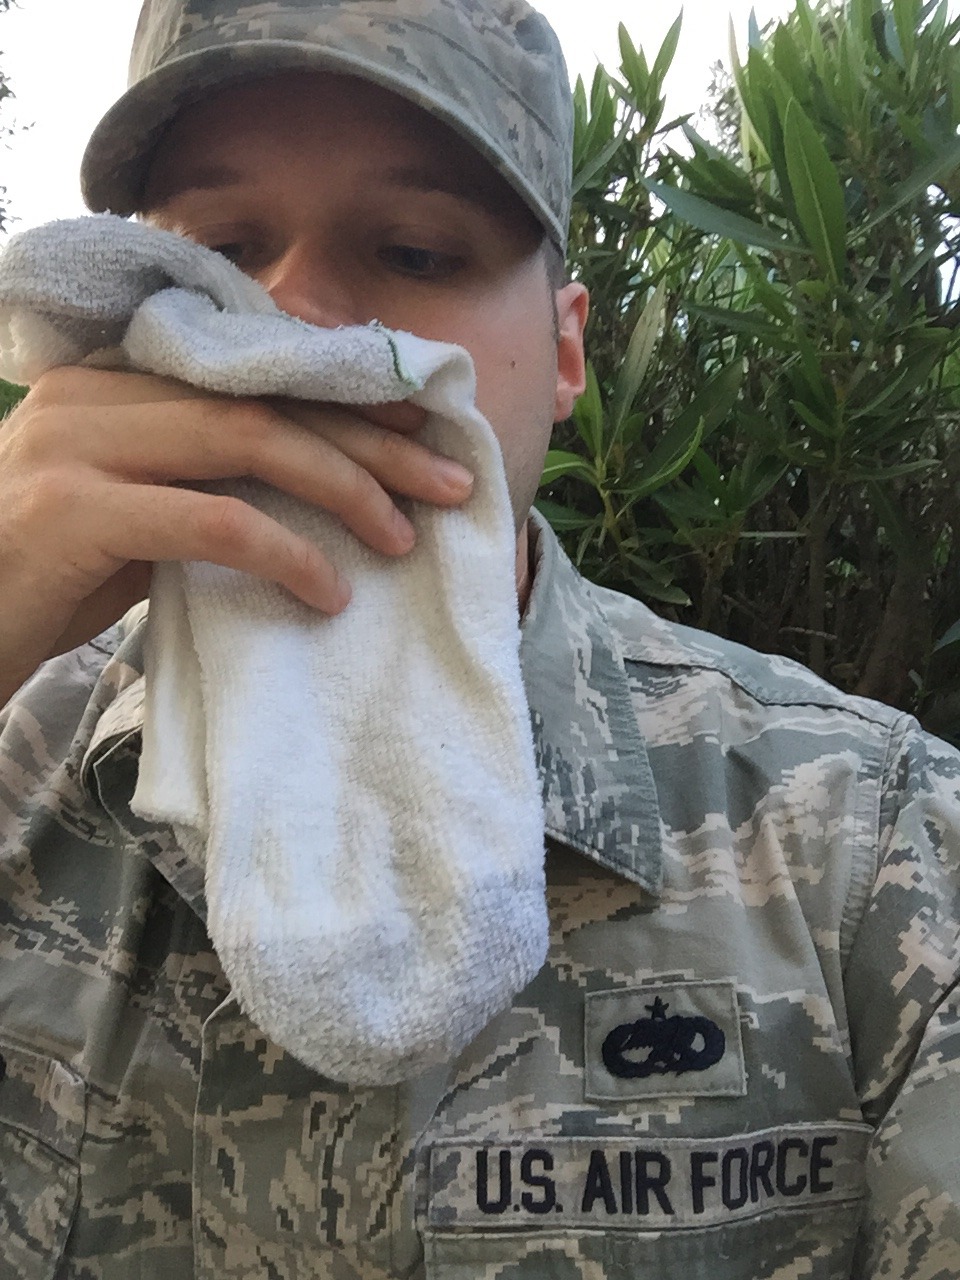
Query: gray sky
[66, 60]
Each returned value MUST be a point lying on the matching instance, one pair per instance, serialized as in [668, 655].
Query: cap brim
[116, 161]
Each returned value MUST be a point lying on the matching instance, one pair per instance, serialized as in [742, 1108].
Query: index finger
[398, 415]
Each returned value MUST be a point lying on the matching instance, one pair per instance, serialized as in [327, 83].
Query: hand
[89, 465]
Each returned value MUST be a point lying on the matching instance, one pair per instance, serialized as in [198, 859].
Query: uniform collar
[598, 790]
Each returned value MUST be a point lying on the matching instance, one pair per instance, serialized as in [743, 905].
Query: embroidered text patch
[649, 1184]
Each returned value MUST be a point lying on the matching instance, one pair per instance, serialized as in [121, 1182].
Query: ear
[573, 306]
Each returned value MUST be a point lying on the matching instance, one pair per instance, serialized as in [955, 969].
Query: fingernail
[404, 529]
[454, 474]
[344, 592]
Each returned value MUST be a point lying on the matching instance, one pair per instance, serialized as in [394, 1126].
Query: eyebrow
[448, 181]
[210, 177]
[427, 179]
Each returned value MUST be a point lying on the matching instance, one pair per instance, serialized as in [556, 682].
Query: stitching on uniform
[831, 699]
[861, 888]
[604, 860]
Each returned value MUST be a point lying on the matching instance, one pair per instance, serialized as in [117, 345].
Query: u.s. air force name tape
[644, 1183]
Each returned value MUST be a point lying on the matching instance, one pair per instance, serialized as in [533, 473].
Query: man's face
[350, 204]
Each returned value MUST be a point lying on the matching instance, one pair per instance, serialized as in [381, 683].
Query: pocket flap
[42, 1097]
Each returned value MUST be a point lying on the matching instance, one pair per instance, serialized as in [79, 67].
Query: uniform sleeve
[904, 1011]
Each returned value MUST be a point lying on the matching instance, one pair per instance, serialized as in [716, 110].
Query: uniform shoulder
[771, 679]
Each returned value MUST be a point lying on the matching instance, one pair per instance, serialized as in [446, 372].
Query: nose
[305, 284]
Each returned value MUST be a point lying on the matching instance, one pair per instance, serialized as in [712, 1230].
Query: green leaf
[892, 40]
[938, 23]
[708, 166]
[912, 372]
[685, 507]
[950, 637]
[664, 59]
[720, 222]
[850, 88]
[671, 455]
[752, 324]
[598, 163]
[713, 402]
[749, 127]
[699, 143]
[633, 63]
[665, 595]
[814, 421]
[559, 463]
[816, 191]
[588, 414]
[811, 389]
[926, 175]
[816, 290]
[597, 121]
[753, 31]
[808, 25]
[11, 393]
[760, 102]
[788, 62]
[770, 298]
[562, 518]
[862, 475]
[637, 358]
[906, 15]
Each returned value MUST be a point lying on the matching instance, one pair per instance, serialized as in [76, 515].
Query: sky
[66, 61]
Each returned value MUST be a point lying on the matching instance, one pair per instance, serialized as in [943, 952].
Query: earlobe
[573, 305]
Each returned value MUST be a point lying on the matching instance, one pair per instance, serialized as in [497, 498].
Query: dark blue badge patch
[662, 1046]
[666, 1038]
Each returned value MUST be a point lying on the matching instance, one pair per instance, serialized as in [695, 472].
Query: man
[738, 1061]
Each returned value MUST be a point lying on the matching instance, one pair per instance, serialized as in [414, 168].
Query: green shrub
[767, 447]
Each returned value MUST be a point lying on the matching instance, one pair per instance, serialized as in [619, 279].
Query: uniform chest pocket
[745, 1207]
[42, 1113]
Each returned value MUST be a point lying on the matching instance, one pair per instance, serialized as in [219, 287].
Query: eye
[233, 249]
[420, 263]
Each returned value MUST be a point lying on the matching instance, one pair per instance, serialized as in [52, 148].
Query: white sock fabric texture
[361, 790]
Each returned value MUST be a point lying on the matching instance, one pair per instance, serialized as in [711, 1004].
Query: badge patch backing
[670, 1038]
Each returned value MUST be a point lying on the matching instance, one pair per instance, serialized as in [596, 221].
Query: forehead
[291, 102]
[315, 120]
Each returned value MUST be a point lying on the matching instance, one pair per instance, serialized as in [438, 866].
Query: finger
[398, 463]
[217, 439]
[74, 385]
[400, 415]
[146, 522]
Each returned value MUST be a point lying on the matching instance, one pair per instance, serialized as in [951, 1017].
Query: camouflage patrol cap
[490, 69]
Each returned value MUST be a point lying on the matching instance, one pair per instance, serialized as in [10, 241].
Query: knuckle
[360, 489]
[41, 433]
[252, 425]
[306, 562]
[64, 384]
[225, 522]
[50, 497]
[396, 450]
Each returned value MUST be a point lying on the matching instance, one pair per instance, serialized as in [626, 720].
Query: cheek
[510, 335]
[516, 390]
[515, 356]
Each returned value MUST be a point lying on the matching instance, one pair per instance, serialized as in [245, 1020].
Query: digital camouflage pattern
[490, 69]
[753, 888]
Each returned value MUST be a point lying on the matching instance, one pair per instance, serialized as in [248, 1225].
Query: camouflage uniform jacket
[740, 1060]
